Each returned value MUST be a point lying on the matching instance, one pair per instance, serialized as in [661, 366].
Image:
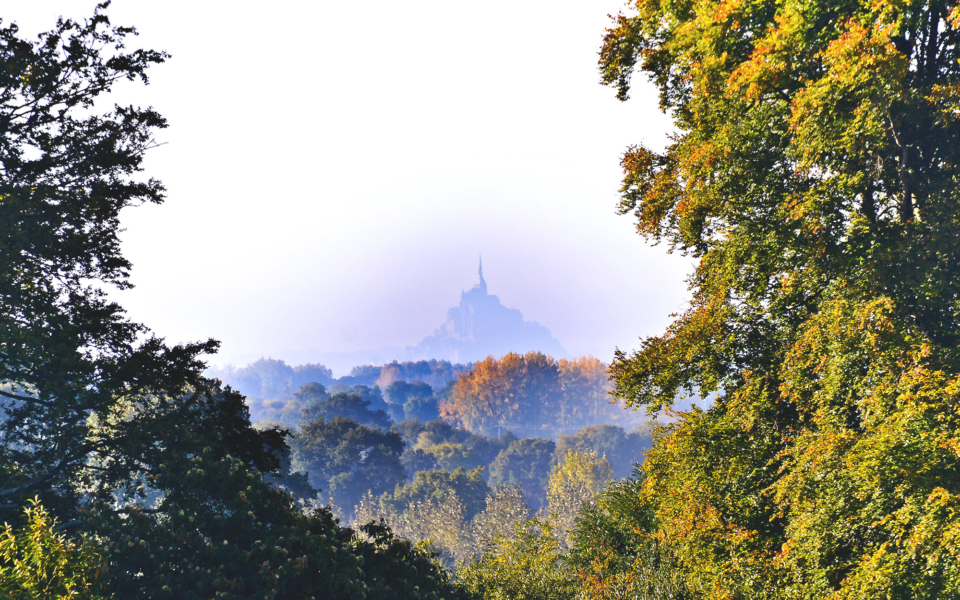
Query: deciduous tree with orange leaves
[813, 177]
[513, 392]
[533, 394]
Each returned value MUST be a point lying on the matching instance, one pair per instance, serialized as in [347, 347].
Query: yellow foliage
[38, 563]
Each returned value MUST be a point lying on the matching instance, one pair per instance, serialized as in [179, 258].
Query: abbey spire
[481, 326]
[481, 284]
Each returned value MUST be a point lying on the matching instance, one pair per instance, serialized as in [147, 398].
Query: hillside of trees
[529, 394]
[811, 178]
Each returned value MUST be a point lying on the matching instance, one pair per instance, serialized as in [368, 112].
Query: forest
[811, 179]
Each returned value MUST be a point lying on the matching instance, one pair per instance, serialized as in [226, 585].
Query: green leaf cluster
[39, 563]
[528, 567]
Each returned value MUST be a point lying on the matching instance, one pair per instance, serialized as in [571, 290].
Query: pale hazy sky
[335, 168]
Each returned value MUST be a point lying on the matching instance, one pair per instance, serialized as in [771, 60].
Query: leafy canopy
[813, 178]
[345, 459]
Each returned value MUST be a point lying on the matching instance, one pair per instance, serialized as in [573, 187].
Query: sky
[335, 169]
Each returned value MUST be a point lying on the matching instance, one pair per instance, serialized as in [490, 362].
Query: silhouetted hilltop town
[481, 326]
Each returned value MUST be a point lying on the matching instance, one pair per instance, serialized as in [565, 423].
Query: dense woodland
[812, 177]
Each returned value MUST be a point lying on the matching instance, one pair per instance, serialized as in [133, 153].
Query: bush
[37, 563]
[528, 567]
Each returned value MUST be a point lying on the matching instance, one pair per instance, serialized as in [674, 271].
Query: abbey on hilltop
[481, 326]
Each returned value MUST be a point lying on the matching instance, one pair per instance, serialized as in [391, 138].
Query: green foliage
[424, 408]
[118, 434]
[616, 553]
[435, 444]
[345, 459]
[506, 510]
[575, 482]
[475, 451]
[468, 486]
[527, 463]
[310, 393]
[38, 563]
[436, 509]
[415, 460]
[346, 405]
[400, 391]
[435, 432]
[454, 456]
[528, 567]
[373, 395]
[438, 374]
[438, 524]
[80, 386]
[270, 385]
[230, 534]
[623, 449]
[814, 179]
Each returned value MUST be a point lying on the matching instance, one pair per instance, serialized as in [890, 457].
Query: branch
[49, 476]
[27, 399]
[31, 485]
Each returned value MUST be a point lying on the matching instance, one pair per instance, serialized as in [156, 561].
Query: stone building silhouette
[481, 326]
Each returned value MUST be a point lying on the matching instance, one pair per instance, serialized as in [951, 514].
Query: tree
[415, 460]
[400, 391]
[574, 484]
[373, 395]
[475, 451]
[38, 563]
[269, 384]
[531, 392]
[68, 358]
[506, 511]
[416, 399]
[435, 373]
[119, 435]
[468, 486]
[515, 391]
[530, 566]
[345, 459]
[426, 409]
[431, 433]
[310, 393]
[813, 178]
[287, 411]
[586, 393]
[439, 523]
[436, 508]
[623, 449]
[349, 406]
[616, 553]
[525, 462]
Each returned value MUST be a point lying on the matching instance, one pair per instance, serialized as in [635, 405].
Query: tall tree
[118, 433]
[813, 178]
[576, 481]
[80, 386]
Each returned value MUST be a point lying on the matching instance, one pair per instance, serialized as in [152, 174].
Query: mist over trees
[812, 177]
[269, 384]
[400, 454]
[533, 394]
